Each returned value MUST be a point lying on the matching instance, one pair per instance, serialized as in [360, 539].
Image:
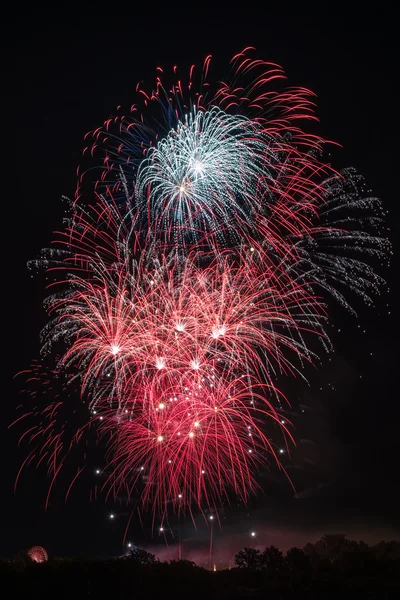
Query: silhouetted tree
[356, 559]
[297, 566]
[310, 551]
[387, 550]
[142, 557]
[331, 546]
[249, 558]
[296, 560]
[272, 560]
[183, 564]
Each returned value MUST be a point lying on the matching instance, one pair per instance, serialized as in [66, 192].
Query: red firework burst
[167, 323]
[194, 443]
[177, 358]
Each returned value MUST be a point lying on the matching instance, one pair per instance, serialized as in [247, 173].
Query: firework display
[204, 239]
[37, 554]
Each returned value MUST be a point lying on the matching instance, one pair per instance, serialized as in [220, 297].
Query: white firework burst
[206, 173]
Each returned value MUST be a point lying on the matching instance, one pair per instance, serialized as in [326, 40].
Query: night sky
[66, 73]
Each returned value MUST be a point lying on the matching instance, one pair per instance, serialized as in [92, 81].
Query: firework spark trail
[60, 424]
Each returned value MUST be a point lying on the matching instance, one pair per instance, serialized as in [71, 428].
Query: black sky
[65, 72]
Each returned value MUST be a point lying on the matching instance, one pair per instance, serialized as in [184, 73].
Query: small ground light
[281, 451]
[112, 516]
[37, 554]
[129, 545]
[97, 471]
[211, 518]
[253, 534]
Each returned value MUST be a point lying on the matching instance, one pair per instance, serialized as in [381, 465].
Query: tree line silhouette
[334, 565]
